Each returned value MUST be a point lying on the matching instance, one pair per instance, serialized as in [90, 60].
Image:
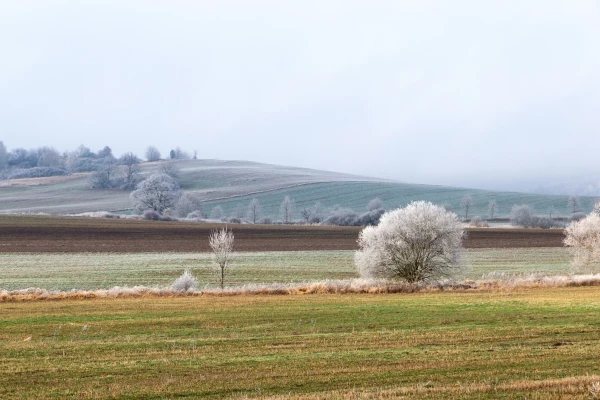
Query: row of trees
[47, 161]
[421, 242]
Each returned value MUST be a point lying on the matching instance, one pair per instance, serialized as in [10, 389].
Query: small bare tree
[131, 165]
[221, 243]
[306, 213]
[466, 203]
[574, 204]
[492, 208]
[287, 210]
[254, 211]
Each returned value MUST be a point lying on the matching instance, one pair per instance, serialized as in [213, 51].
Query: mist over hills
[233, 184]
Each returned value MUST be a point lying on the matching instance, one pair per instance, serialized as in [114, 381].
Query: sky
[485, 94]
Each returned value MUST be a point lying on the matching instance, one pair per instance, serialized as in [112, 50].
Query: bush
[152, 215]
[478, 222]
[235, 220]
[265, 221]
[185, 282]
[37, 172]
[342, 217]
[195, 215]
[522, 215]
[417, 243]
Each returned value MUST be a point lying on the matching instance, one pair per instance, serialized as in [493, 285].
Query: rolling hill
[232, 184]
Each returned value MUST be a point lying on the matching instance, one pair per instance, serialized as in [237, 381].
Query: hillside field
[232, 184]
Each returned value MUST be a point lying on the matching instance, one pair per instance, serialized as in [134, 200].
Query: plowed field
[54, 234]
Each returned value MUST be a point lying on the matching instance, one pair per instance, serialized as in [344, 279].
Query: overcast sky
[491, 94]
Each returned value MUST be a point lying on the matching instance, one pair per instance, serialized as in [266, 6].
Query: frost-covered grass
[65, 271]
[529, 343]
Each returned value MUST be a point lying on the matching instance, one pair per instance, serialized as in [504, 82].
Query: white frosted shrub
[583, 238]
[418, 243]
[185, 282]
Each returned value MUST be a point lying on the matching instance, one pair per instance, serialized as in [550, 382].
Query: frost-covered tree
[187, 204]
[521, 215]
[49, 157]
[286, 210]
[583, 238]
[375, 204]
[492, 208]
[105, 152]
[418, 243]
[254, 211]
[3, 156]
[221, 243]
[152, 154]
[466, 203]
[157, 193]
[131, 170]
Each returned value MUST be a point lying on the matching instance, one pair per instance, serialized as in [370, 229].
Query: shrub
[37, 172]
[195, 215]
[478, 222]
[342, 217]
[265, 221]
[417, 243]
[185, 282]
[151, 215]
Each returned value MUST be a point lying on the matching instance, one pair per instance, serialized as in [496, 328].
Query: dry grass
[353, 286]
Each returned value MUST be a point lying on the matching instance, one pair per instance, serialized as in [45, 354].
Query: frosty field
[65, 271]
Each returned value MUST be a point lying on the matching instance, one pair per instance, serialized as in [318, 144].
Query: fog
[495, 95]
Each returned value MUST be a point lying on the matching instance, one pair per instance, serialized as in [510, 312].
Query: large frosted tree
[157, 193]
[418, 243]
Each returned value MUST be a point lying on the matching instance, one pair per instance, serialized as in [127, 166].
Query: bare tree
[306, 214]
[418, 243]
[286, 209]
[466, 203]
[492, 208]
[131, 165]
[171, 169]
[574, 204]
[3, 156]
[254, 210]
[157, 193]
[221, 243]
[317, 213]
[152, 154]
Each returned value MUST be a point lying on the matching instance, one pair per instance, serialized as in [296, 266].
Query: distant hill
[232, 184]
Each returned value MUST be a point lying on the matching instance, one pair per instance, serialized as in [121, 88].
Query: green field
[232, 184]
[65, 271]
[517, 344]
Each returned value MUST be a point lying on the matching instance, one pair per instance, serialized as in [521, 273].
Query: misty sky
[490, 94]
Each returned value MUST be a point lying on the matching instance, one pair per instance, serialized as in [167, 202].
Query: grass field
[65, 271]
[520, 344]
[233, 184]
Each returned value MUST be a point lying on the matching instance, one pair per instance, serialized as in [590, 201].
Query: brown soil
[54, 234]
